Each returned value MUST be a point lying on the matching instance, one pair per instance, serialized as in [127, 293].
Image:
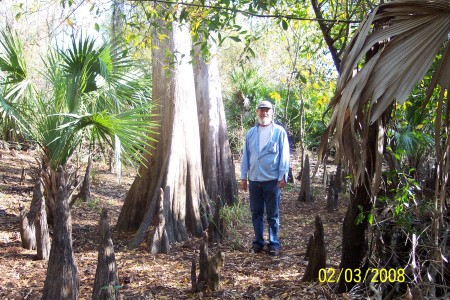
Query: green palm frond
[132, 128]
[411, 142]
[124, 83]
[11, 57]
[12, 64]
[12, 118]
[104, 70]
[54, 74]
[45, 125]
[408, 35]
[132, 90]
[15, 87]
[9, 110]
[80, 67]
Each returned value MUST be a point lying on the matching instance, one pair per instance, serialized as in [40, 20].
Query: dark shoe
[274, 252]
[255, 249]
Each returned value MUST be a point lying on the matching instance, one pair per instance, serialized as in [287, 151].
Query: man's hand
[243, 184]
[281, 183]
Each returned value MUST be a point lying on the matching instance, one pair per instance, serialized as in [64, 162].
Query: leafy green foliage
[292, 81]
[14, 85]
[402, 197]
[94, 95]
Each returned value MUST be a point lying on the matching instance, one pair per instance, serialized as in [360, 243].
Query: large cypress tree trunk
[217, 163]
[175, 163]
[62, 280]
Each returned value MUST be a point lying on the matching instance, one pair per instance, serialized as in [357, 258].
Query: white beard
[264, 121]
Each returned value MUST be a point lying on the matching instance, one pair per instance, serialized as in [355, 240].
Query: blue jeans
[265, 195]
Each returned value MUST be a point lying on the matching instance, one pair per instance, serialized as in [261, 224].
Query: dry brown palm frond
[407, 36]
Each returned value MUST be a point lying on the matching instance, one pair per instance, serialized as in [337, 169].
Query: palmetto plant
[92, 95]
[87, 95]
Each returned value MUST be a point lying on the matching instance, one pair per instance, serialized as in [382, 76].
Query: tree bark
[215, 228]
[326, 32]
[332, 194]
[317, 255]
[193, 276]
[175, 162]
[305, 185]
[202, 279]
[338, 178]
[62, 280]
[85, 192]
[215, 264]
[309, 247]
[50, 188]
[217, 163]
[42, 234]
[210, 266]
[106, 280]
[28, 221]
[158, 239]
[27, 230]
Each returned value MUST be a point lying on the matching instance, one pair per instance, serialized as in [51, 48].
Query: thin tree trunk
[291, 76]
[326, 32]
[305, 185]
[300, 129]
[62, 280]
[42, 234]
[332, 194]
[85, 192]
[175, 162]
[215, 228]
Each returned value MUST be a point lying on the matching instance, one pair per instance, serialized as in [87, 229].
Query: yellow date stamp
[331, 275]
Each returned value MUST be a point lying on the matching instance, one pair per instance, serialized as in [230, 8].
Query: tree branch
[249, 13]
[326, 35]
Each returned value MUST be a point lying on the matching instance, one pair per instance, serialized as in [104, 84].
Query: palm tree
[390, 52]
[90, 91]
[92, 95]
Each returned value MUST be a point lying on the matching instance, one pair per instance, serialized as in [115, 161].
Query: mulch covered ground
[145, 276]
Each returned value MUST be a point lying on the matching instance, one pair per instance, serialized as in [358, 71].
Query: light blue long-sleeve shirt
[272, 162]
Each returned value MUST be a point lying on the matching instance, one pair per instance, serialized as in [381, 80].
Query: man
[265, 163]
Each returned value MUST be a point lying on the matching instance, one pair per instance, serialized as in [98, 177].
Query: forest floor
[146, 276]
